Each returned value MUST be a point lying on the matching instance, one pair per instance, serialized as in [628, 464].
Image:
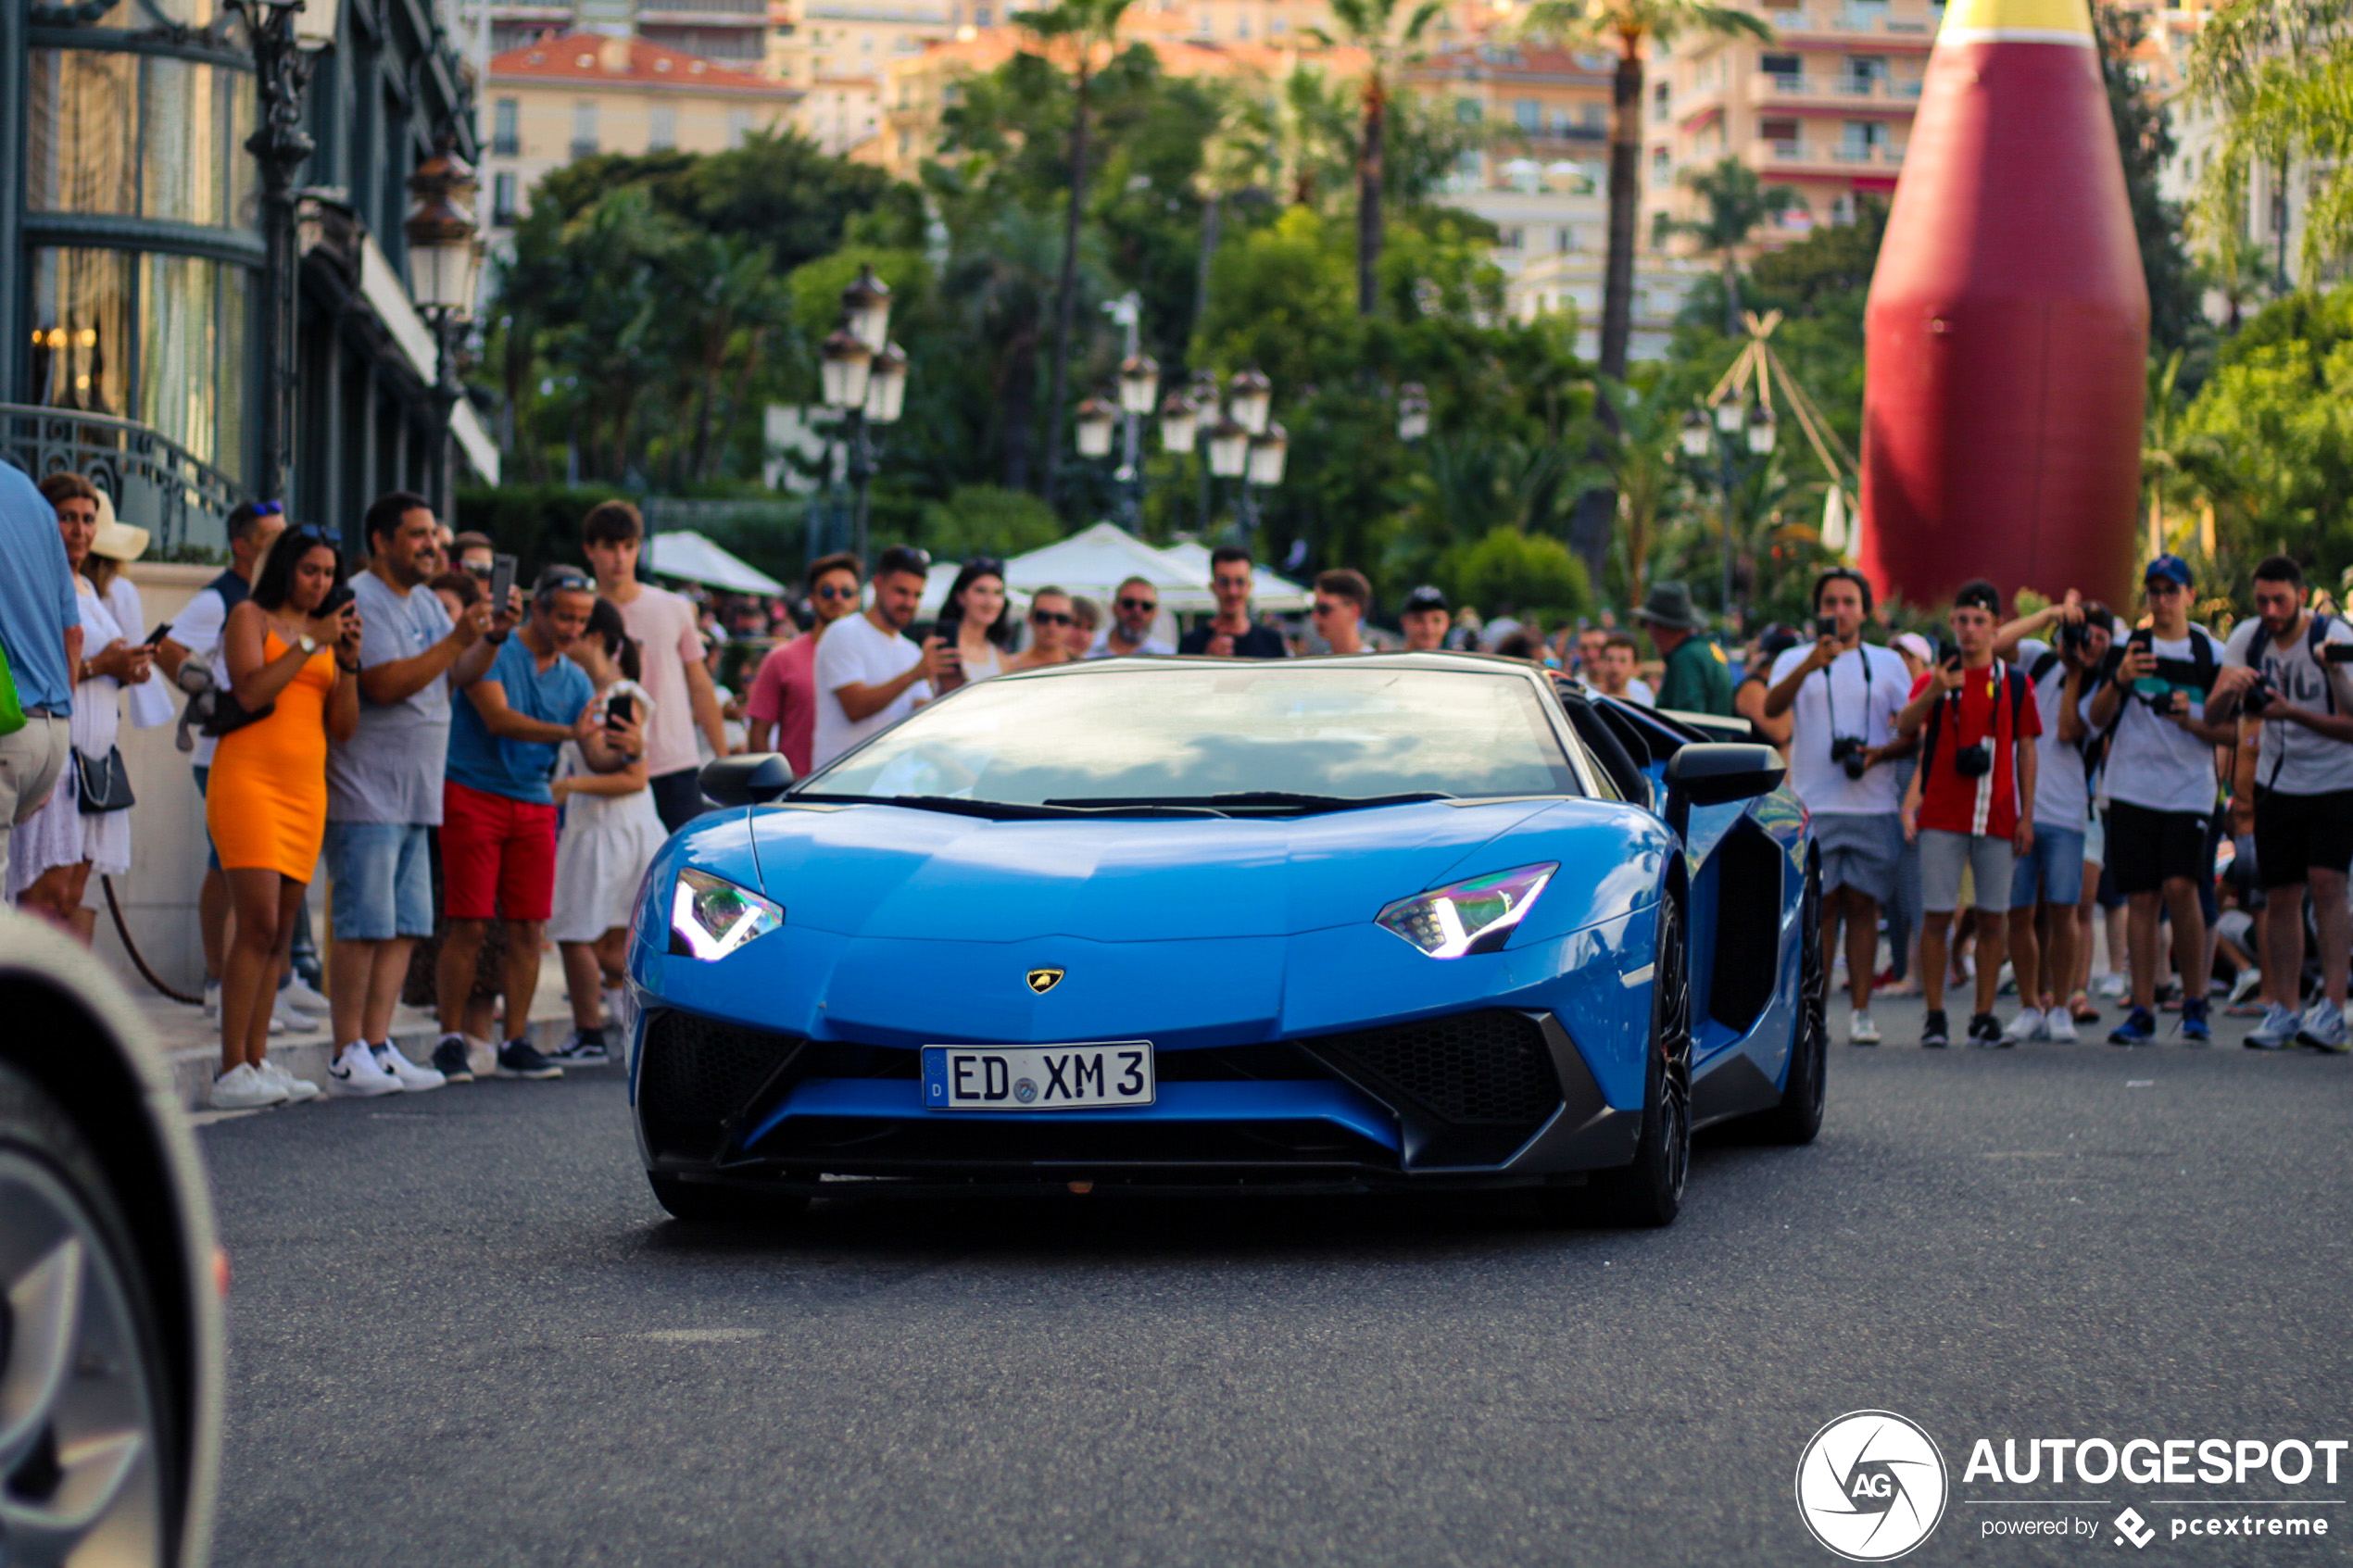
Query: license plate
[1075, 1077]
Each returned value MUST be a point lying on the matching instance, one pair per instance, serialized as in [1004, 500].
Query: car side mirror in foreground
[761, 776]
[1718, 773]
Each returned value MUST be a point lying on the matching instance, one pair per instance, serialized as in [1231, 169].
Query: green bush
[1525, 573]
[983, 520]
[538, 524]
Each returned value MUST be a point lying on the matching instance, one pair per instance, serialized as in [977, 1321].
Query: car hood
[893, 872]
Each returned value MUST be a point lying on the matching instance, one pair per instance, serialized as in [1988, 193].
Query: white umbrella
[1095, 561]
[684, 553]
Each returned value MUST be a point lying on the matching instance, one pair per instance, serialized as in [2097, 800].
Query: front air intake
[1472, 1087]
[698, 1076]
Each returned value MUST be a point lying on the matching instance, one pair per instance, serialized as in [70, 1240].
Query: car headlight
[711, 917]
[1476, 916]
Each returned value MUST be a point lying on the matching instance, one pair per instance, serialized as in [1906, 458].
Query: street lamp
[1138, 384]
[1267, 451]
[887, 385]
[445, 261]
[288, 36]
[865, 306]
[862, 376]
[1229, 449]
[1694, 437]
[1096, 421]
[1413, 411]
[1250, 397]
[1728, 417]
[1730, 431]
[1761, 431]
[845, 366]
[1178, 419]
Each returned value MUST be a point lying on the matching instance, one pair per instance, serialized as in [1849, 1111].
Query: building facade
[132, 261]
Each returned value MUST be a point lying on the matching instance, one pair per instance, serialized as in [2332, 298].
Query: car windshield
[1257, 736]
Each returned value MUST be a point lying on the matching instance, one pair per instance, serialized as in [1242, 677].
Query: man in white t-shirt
[253, 528]
[669, 648]
[2160, 792]
[2303, 795]
[1843, 696]
[869, 675]
[2047, 885]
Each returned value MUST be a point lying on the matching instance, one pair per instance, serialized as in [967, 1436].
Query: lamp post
[288, 37]
[1413, 411]
[445, 260]
[862, 376]
[1733, 431]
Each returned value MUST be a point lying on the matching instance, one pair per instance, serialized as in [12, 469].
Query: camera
[2260, 693]
[1847, 752]
[1974, 761]
[2075, 636]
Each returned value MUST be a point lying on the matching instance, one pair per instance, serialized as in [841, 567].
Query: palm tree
[1631, 26]
[1371, 25]
[1736, 202]
[1089, 24]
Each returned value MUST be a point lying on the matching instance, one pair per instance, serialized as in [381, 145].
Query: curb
[307, 1056]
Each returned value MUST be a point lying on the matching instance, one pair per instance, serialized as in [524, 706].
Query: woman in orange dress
[266, 800]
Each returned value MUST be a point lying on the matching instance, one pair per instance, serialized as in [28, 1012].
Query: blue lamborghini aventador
[1410, 921]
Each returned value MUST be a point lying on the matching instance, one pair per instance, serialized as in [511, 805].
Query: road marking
[701, 1335]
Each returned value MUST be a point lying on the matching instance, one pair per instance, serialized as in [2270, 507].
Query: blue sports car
[1397, 921]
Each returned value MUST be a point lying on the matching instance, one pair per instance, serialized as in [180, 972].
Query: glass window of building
[662, 133]
[506, 128]
[584, 128]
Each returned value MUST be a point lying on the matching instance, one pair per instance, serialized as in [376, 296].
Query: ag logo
[1044, 980]
[1870, 1485]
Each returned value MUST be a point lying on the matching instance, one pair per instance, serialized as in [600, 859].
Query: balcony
[690, 13]
[1828, 158]
[1845, 23]
[157, 484]
[1845, 92]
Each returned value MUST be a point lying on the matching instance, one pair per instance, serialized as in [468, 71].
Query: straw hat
[116, 541]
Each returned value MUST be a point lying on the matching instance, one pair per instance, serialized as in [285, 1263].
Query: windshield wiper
[1011, 811]
[1264, 800]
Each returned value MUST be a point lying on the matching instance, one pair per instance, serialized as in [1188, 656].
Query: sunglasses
[269, 509]
[478, 568]
[1327, 606]
[830, 592]
[1053, 618]
[1140, 604]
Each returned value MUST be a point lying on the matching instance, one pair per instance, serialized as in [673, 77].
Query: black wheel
[1799, 1116]
[705, 1203]
[1650, 1191]
[88, 1446]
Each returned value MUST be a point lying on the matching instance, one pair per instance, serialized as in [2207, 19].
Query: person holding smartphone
[783, 705]
[2286, 667]
[291, 656]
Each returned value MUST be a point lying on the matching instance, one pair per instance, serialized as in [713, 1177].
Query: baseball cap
[2167, 567]
[1917, 647]
[1422, 598]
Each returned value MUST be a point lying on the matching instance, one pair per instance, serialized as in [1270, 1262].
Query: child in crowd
[611, 833]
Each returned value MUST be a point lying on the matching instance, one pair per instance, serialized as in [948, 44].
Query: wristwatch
[306, 643]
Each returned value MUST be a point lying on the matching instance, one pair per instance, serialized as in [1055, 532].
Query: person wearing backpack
[2151, 707]
[2281, 667]
[1977, 725]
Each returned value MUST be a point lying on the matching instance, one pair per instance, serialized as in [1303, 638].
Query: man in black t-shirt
[1230, 634]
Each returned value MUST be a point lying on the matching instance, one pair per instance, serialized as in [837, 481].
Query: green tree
[1634, 28]
[2144, 137]
[2270, 435]
[1735, 202]
[2278, 74]
[1525, 572]
[1088, 25]
[1373, 26]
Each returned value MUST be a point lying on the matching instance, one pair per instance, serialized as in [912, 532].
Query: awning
[685, 553]
[474, 441]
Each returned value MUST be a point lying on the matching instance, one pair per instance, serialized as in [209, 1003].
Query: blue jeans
[380, 880]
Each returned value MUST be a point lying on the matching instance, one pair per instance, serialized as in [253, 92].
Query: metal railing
[157, 484]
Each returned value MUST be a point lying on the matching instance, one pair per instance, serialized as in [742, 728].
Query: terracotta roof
[589, 56]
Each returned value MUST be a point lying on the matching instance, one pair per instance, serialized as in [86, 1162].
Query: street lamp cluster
[1239, 442]
[862, 377]
[1733, 428]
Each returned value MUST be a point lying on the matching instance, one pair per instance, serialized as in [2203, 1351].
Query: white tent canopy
[1278, 595]
[685, 553]
[1097, 560]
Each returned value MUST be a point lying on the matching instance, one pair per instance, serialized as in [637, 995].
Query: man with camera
[2290, 668]
[2160, 792]
[1978, 766]
[1844, 696]
[2047, 886]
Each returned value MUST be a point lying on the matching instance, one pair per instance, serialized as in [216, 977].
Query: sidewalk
[191, 1042]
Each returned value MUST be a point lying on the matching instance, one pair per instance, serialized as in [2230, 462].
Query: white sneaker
[303, 996]
[2110, 986]
[212, 998]
[298, 1089]
[2323, 1027]
[359, 1075]
[284, 1020]
[241, 1088]
[2277, 1029]
[412, 1076]
[2028, 1025]
[2059, 1027]
[2245, 985]
[1860, 1030]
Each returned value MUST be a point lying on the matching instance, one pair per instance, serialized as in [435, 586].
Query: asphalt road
[463, 1333]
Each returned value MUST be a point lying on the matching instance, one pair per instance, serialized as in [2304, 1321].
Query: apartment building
[1823, 111]
[734, 32]
[570, 95]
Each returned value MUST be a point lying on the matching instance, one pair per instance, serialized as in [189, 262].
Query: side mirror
[1716, 773]
[751, 779]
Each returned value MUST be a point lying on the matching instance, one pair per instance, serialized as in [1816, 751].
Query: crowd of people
[2032, 781]
[481, 776]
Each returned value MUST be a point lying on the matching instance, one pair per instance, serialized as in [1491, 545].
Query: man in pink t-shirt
[663, 625]
[783, 706]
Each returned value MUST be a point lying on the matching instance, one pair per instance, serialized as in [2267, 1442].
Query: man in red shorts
[499, 815]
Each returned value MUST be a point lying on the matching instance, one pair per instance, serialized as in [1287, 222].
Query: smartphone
[502, 583]
[2337, 653]
[155, 637]
[620, 709]
[337, 596]
[1826, 626]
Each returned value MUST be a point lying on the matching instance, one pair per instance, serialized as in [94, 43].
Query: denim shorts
[2052, 873]
[380, 880]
